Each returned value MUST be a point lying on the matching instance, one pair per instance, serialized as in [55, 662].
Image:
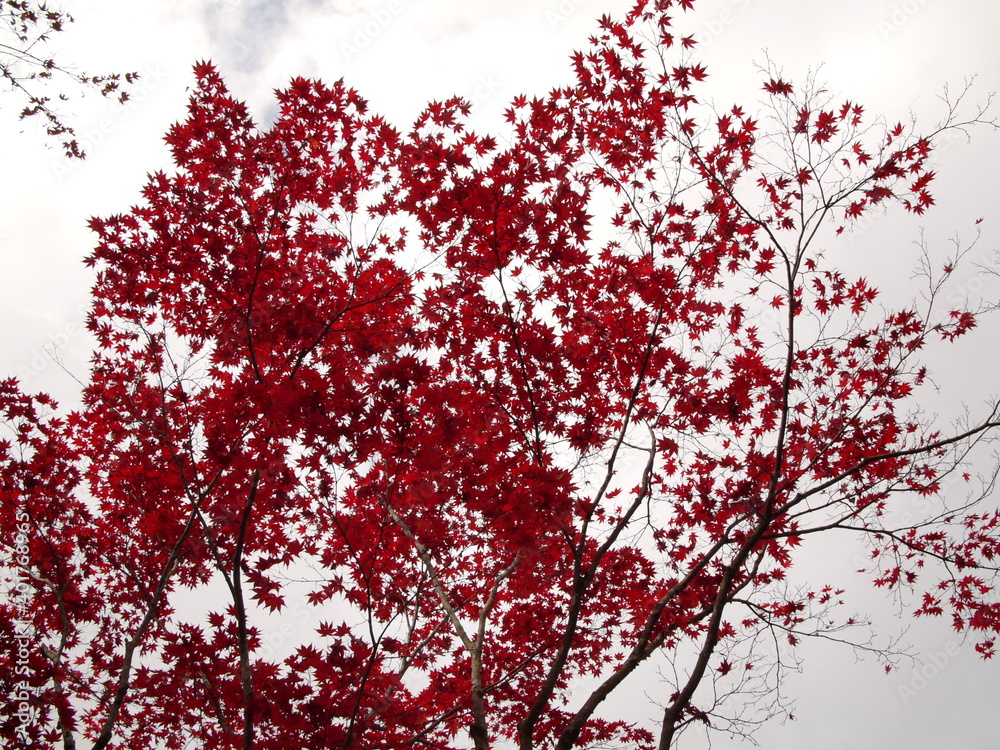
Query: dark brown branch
[124, 678]
[241, 619]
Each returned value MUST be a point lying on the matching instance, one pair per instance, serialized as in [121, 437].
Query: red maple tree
[494, 443]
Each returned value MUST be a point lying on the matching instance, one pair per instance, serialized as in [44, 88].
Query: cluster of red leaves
[25, 67]
[391, 379]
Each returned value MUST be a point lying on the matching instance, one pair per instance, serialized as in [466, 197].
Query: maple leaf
[778, 87]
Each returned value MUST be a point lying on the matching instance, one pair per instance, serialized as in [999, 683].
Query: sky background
[892, 57]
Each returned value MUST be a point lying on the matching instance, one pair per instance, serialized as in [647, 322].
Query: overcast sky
[890, 55]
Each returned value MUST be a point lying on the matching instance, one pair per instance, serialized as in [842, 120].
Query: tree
[499, 444]
[25, 66]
